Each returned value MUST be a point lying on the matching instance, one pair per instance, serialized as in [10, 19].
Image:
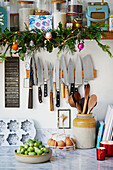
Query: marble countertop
[80, 159]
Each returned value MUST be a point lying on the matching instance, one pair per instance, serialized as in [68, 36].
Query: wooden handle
[30, 99]
[84, 107]
[62, 90]
[54, 90]
[66, 93]
[51, 102]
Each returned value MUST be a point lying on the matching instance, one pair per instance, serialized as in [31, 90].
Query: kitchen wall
[101, 86]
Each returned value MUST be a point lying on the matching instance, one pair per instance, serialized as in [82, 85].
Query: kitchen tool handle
[51, 102]
[84, 107]
[62, 90]
[40, 94]
[58, 98]
[45, 89]
[30, 99]
[66, 93]
[72, 89]
[54, 90]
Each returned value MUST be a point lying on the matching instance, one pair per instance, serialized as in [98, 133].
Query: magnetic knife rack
[28, 73]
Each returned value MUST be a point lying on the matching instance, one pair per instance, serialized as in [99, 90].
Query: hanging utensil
[71, 76]
[92, 102]
[86, 95]
[45, 79]
[57, 85]
[78, 106]
[54, 82]
[88, 69]
[31, 83]
[34, 71]
[63, 64]
[40, 79]
[62, 85]
[78, 75]
[51, 88]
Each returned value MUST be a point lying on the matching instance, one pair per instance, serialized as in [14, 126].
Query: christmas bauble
[48, 35]
[81, 46]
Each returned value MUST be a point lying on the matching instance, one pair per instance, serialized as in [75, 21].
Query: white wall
[101, 86]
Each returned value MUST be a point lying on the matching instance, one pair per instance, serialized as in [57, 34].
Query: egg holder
[16, 131]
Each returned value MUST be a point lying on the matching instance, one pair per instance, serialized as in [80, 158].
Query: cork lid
[26, 2]
[58, 1]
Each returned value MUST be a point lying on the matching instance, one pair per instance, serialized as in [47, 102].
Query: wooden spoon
[86, 95]
[92, 102]
[77, 96]
[78, 106]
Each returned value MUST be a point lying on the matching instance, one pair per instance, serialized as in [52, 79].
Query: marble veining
[80, 159]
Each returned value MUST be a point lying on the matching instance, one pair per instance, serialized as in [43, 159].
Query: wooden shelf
[109, 36]
[28, 73]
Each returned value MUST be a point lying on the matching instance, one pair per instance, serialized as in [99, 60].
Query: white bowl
[33, 158]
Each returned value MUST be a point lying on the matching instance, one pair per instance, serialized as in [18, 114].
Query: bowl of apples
[33, 151]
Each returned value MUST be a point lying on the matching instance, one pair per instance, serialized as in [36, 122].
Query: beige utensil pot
[84, 131]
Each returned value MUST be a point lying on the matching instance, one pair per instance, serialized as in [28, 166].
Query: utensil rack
[28, 73]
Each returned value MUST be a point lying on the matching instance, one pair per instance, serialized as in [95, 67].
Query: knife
[34, 71]
[62, 85]
[71, 76]
[78, 75]
[31, 83]
[45, 79]
[40, 79]
[54, 82]
[63, 65]
[57, 85]
[51, 88]
[88, 69]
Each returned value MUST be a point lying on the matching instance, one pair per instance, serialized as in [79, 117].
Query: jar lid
[26, 2]
[58, 1]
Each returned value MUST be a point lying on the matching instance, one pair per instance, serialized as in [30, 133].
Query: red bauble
[81, 46]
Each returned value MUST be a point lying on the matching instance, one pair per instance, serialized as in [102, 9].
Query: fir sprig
[63, 39]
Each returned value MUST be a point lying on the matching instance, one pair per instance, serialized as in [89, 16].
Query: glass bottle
[59, 12]
[75, 13]
[26, 8]
[43, 6]
[14, 16]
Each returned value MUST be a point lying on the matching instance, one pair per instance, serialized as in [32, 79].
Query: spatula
[92, 102]
[86, 95]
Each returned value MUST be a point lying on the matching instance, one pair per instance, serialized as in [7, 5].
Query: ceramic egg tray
[16, 131]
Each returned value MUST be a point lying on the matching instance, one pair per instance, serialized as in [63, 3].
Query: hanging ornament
[15, 47]
[81, 46]
[48, 35]
[31, 43]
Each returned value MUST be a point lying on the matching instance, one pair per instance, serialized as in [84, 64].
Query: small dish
[33, 158]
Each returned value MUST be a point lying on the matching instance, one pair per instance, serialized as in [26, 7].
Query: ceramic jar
[84, 131]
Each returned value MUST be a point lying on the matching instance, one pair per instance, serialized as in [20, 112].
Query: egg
[53, 143]
[67, 138]
[69, 143]
[73, 141]
[61, 144]
[49, 141]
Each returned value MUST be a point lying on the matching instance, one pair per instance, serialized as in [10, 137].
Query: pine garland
[63, 39]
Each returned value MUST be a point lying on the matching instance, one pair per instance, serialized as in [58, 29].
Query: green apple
[41, 146]
[34, 140]
[26, 152]
[31, 144]
[26, 146]
[36, 144]
[46, 150]
[21, 147]
[18, 151]
[32, 153]
[30, 149]
[23, 150]
[40, 142]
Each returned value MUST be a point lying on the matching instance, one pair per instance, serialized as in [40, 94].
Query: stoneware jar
[84, 131]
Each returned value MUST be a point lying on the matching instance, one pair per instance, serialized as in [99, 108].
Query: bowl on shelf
[33, 158]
